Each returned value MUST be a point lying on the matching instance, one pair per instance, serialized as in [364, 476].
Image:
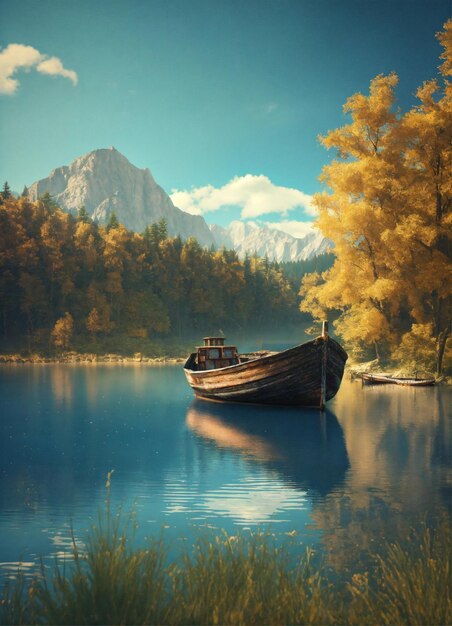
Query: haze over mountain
[250, 238]
[104, 181]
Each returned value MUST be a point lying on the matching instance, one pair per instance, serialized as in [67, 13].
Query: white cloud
[293, 227]
[12, 58]
[17, 57]
[54, 67]
[186, 200]
[255, 195]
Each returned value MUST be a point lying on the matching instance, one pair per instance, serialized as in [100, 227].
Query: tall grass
[224, 579]
[413, 581]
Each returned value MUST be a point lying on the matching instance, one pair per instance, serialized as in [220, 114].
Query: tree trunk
[29, 330]
[439, 205]
[377, 353]
[442, 341]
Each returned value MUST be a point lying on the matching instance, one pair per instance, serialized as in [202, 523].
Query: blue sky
[203, 91]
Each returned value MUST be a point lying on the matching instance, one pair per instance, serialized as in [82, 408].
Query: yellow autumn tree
[63, 330]
[427, 134]
[98, 320]
[386, 211]
[355, 215]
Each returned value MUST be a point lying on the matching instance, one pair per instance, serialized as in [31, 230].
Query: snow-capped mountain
[251, 238]
[104, 181]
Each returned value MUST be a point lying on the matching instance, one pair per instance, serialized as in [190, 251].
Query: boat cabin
[214, 354]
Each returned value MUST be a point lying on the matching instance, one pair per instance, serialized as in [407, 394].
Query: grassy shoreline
[240, 580]
[114, 349]
[88, 358]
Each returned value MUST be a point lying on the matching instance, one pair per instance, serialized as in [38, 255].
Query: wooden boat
[382, 379]
[307, 375]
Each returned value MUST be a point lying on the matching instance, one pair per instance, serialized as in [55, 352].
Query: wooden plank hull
[380, 379]
[290, 377]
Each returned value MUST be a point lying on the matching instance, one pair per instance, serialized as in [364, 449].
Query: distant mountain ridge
[104, 181]
[250, 238]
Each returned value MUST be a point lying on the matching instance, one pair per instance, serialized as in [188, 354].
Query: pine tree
[48, 201]
[6, 191]
[82, 214]
[112, 222]
[162, 229]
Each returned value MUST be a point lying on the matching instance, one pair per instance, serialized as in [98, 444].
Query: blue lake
[377, 462]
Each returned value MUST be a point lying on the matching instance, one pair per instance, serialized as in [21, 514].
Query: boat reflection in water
[307, 449]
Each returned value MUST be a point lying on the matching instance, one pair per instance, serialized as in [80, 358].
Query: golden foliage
[388, 213]
[63, 330]
[113, 280]
[98, 320]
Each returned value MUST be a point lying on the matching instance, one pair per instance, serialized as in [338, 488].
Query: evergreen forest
[66, 282]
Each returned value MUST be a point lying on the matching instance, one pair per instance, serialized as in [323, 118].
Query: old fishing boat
[307, 375]
[382, 379]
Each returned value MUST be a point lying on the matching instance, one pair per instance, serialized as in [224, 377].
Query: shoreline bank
[353, 370]
[89, 358]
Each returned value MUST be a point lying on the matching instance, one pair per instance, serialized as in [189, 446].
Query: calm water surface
[378, 461]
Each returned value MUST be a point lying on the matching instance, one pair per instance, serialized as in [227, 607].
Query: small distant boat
[309, 374]
[382, 379]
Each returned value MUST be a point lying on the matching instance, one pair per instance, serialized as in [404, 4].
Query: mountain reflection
[305, 448]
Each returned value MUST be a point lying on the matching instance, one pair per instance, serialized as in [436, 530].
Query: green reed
[224, 579]
[412, 581]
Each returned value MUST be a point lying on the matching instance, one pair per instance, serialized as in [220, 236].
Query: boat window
[228, 353]
[214, 354]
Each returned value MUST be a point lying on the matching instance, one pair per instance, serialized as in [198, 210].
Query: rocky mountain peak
[104, 181]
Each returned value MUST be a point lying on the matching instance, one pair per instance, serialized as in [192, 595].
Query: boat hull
[380, 379]
[290, 377]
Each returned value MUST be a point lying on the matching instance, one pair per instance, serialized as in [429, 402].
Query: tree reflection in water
[375, 466]
[399, 452]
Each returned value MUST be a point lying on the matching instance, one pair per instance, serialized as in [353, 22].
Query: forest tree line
[387, 211]
[295, 271]
[64, 277]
